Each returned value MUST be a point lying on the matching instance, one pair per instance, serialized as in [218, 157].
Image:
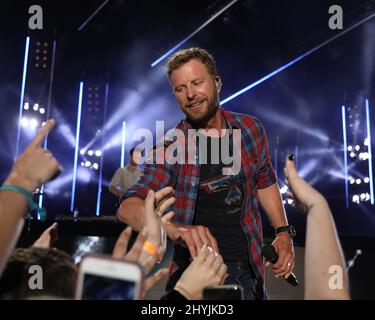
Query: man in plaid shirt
[211, 207]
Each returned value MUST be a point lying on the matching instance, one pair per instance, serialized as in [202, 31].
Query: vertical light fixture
[76, 146]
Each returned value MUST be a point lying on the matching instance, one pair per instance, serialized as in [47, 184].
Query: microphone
[270, 254]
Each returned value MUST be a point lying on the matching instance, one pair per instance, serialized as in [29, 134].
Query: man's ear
[218, 82]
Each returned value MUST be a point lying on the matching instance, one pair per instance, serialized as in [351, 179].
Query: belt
[238, 264]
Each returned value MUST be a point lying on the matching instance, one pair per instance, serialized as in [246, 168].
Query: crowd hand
[207, 269]
[35, 166]
[48, 237]
[154, 219]
[193, 236]
[134, 255]
[303, 195]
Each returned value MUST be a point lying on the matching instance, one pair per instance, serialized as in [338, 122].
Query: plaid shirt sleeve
[154, 176]
[266, 175]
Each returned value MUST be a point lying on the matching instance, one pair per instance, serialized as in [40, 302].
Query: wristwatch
[289, 229]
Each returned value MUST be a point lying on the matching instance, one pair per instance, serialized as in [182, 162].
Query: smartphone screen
[97, 287]
[105, 278]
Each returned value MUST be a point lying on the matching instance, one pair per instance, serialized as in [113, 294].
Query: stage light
[365, 142]
[352, 180]
[26, 106]
[350, 148]
[22, 95]
[82, 151]
[213, 17]
[87, 164]
[367, 196]
[90, 152]
[362, 196]
[284, 202]
[33, 123]
[357, 147]
[36, 107]
[363, 156]
[82, 164]
[358, 181]
[366, 180]
[42, 110]
[24, 122]
[370, 152]
[98, 153]
[352, 154]
[290, 201]
[95, 166]
[355, 198]
[284, 189]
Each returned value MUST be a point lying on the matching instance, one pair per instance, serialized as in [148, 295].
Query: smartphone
[224, 292]
[105, 278]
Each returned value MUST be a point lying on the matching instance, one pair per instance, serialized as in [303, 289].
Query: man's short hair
[59, 274]
[183, 56]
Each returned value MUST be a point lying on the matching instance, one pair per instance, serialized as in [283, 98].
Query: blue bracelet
[29, 197]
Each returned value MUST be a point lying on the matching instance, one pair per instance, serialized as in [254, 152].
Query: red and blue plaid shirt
[256, 173]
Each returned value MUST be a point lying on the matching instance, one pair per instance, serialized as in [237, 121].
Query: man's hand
[35, 166]
[284, 248]
[193, 236]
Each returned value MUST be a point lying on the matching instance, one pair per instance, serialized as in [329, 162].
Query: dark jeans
[243, 275]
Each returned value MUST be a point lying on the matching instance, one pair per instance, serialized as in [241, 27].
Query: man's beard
[201, 118]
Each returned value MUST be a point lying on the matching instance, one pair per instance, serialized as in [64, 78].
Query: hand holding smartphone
[107, 278]
[224, 292]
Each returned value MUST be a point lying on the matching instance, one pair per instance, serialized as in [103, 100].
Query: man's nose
[191, 92]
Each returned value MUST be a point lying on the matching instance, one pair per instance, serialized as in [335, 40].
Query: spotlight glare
[87, 163]
[352, 181]
[95, 166]
[366, 180]
[363, 196]
[290, 201]
[350, 148]
[98, 153]
[82, 164]
[355, 198]
[90, 152]
[42, 110]
[357, 147]
[358, 181]
[43, 123]
[33, 123]
[26, 106]
[36, 107]
[352, 154]
[24, 122]
[365, 142]
[82, 151]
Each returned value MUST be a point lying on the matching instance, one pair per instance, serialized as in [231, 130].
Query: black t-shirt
[219, 205]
